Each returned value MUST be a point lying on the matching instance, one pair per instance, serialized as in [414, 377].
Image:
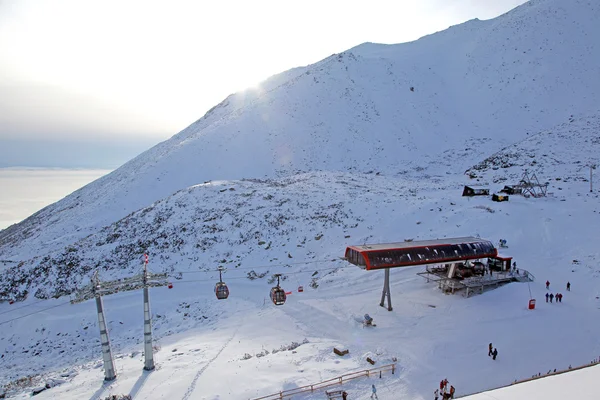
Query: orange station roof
[404, 254]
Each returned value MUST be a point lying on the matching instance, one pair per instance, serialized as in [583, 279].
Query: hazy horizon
[27, 190]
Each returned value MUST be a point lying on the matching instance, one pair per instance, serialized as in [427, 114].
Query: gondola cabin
[278, 296]
[221, 290]
[300, 289]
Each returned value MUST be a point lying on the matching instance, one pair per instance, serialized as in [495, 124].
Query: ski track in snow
[192, 386]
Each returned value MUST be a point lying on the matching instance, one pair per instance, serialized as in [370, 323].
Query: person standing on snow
[436, 394]
[494, 354]
[547, 295]
[490, 350]
[374, 392]
[547, 285]
[568, 286]
[452, 391]
[551, 297]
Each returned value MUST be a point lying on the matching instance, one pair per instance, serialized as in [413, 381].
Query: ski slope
[281, 180]
[203, 342]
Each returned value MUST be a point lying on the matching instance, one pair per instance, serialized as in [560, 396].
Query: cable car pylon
[148, 350]
[95, 290]
[278, 296]
[221, 289]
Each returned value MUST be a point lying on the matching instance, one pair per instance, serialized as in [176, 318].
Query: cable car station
[448, 262]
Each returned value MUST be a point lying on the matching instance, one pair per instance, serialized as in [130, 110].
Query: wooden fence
[328, 383]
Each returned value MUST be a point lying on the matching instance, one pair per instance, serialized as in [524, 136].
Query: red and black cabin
[406, 254]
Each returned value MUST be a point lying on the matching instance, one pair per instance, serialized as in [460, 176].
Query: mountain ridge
[355, 112]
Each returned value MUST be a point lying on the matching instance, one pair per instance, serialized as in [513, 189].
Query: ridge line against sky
[92, 84]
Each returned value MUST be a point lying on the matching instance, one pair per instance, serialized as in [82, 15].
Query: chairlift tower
[147, 279]
[148, 350]
[97, 288]
[94, 289]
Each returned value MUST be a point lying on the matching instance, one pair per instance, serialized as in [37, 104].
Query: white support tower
[96, 289]
[148, 350]
[109, 364]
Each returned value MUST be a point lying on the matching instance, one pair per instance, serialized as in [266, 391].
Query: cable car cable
[263, 266]
[283, 273]
[35, 312]
[18, 308]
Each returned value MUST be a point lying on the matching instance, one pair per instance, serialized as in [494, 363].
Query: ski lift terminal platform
[451, 253]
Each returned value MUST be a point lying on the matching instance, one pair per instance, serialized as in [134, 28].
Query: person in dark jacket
[547, 295]
[551, 297]
[490, 347]
[547, 285]
[344, 396]
[568, 286]
[494, 354]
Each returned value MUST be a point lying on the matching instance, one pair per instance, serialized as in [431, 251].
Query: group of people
[557, 296]
[492, 351]
[443, 390]
[551, 296]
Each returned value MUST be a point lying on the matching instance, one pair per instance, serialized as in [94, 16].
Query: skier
[436, 394]
[547, 285]
[494, 354]
[490, 350]
[547, 295]
[568, 286]
[344, 396]
[551, 297]
[374, 392]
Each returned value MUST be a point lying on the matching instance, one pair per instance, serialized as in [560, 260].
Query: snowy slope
[203, 342]
[299, 226]
[479, 86]
[580, 384]
[334, 154]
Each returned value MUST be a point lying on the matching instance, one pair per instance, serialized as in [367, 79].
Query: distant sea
[23, 191]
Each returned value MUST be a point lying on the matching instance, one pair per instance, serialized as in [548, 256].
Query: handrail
[327, 383]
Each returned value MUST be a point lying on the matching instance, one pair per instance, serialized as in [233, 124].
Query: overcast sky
[113, 78]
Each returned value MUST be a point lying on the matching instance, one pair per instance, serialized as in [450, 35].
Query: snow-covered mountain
[282, 179]
[477, 87]
[299, 226]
